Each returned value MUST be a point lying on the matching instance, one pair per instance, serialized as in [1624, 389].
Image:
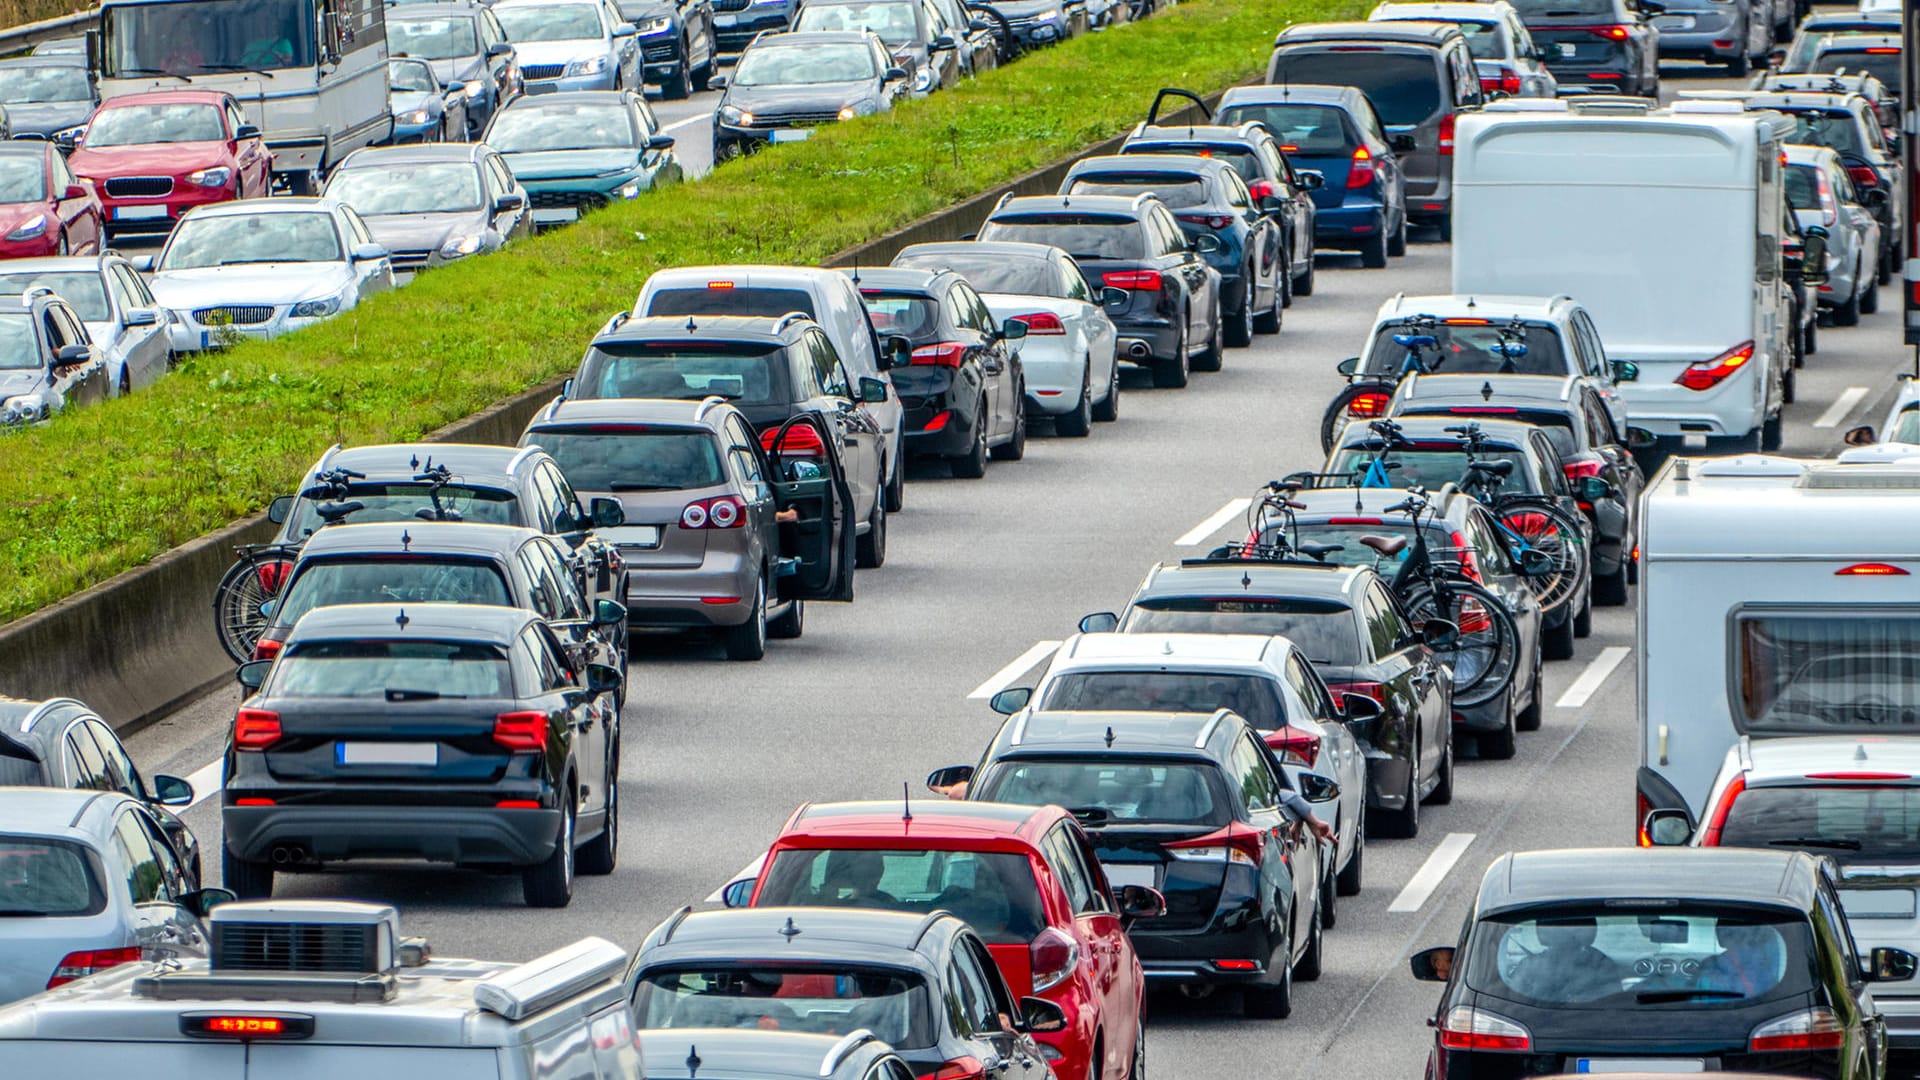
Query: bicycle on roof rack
[1367, 396]
[1272, 509]
[260, 571]
[1530, 522]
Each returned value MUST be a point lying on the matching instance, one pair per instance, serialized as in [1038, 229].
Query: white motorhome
[311, 73]
[1664, 223]
[1778, 597]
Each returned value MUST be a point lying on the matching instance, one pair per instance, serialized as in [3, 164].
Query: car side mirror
[894, 74]
[71, 354]
[143, 263]
[1813, 257]
[609, 612]
[606, 513]
[1100, 622]
[1872, 198]
[499, 49]
[1891, 965]
[1640, 438]
[1348, 366]
[1042, 1017]
[1860, 436]
[1432, 965]
[1011, 700]
[79, 191]
[978, 25]
[872, 391]
[509, 202]
[1205, 243]
[1536, 563]
[1311, 179]
[602, 679]
[738, 893]
[1625, 371]
[279, 508]
[368, 252]
[1358, 707]
[245, 132]
[202, 901]
[1271, 204]
[716, 82]
[453, 88]
[1013, 330]
[1596, 488]
[1403, 143]
[625, 29]
[252, 673]
[950, 777]
[660, 142]
[1112, 297]
[1318, 789]
[1439, 633]
[1139, 902]
[896, 351]
[142, 316]
[943, 43]
[171, 790]
[1669, 827]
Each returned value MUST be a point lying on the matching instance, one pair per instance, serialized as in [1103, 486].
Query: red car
[44, 209]
[154, 156]
[1024, 877]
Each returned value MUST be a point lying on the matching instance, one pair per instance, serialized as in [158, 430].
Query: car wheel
[1530, 717]
[1741, 65]
[1015, 448]
[1170, 372]
[1215, 354]
[1883, 273]
[1078, 423]
[748, 641]
[896, 487]
[550, 883]
[972, 465]
[1329, 909]
[1397, 243]
[790, 623]
[1870, 297]
[1303, 285]
[1268, 319]
[1109, 410]
[1500, 745]
[1240, 330]
[1373, 250]
[1442, 792]
[1556, 642]
[1347, 881]
[677, 87]
[1789, 385]
[601, 854]
[244, 879]
[1404, 824]
[1770, 433]
[1583, 619]
[64, 248]
[1137, 1068]
[870, 551]
[1848, 314]
[1272, 1002]
[1308, 969]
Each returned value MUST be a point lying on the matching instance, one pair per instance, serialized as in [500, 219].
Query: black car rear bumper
[1504, 1065]
[1161, 336]
[290, 835]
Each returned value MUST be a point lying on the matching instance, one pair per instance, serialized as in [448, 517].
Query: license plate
[556, 215]
[1673, 22]
[1122, 874]
[1639, 1065]
[792, 134]
[1568, 50]
[386, 753]
[725, 21]
[635, 536]
[1877, 903]
[138, 213]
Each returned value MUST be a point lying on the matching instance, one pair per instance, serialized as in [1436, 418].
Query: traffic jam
[1533, 692]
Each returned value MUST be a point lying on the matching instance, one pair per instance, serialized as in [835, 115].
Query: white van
[1777, 597]
[1664, 223]
[316, 990]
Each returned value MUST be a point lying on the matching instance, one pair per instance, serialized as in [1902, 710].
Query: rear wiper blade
[626, 485]
[418, 695]
[24, 913]
[1842, 843]
[1655, 997]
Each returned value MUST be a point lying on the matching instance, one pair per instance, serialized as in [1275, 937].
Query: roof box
[334, 936]
[545, 981]
[1748, 467]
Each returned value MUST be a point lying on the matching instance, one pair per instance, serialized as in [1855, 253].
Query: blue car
[581, 150]
[1332, 130]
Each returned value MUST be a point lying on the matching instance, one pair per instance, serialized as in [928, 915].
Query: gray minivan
[1419, 76]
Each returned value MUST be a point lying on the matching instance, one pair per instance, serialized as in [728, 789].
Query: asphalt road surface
[984, 574]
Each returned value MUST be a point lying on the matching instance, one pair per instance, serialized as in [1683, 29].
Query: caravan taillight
[1707, 374]
[248, 1026]
[1870, 569]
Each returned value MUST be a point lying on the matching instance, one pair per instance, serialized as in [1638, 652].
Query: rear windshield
[814, 998]
[1303, 129]
[1562, 9]
[399, 670]
[404, 502]
[745, 373]
[1827, 673]
[1884, 66]
[46, 877]
[1353, 553]
[1484, 40]
[1168, 691]
[1670, 958]
[1084, 236]
[994, 892]
[916, 318]
[1431, 468]
[634, 458]
[1404, 87]
[1323, 629]
[758, 302]
[1855, 822]
[1839, 131]
[392, 580]
[1467, 348]
[990, 273]
[1243, 159]
[1177, 190]
[1557, 426]
[1803, 187]
[1126, 791]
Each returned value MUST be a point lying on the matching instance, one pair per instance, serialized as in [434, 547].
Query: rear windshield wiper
[418, 695]
[1656, 997]
[1843, 843]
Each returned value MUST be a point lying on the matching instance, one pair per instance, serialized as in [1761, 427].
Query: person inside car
[1751, 959]
[1567, 967]
[853, 880]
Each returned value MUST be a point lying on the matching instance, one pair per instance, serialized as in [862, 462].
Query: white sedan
[263, 267]
[121, 316]
[1067, 354]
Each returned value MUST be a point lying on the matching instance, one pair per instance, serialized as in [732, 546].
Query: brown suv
[707, 540]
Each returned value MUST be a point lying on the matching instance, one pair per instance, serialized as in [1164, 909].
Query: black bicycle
[1366, 396]
[1529, 522]
[261, 570]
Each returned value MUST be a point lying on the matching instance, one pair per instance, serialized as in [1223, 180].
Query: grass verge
[104, 489]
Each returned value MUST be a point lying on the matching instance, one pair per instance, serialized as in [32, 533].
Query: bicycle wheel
[1487, 654]
[1551, 530]
[1364, 400]
[248, 584]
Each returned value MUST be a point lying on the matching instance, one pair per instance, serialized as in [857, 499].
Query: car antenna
[1109, 737]
[691, 327]
[406, 540]
[906, 802]
[414, 463]
[1486, 390]
[856, 272]
[1860, 752]
[401, 619]
[693, 1061]
[1472, 303]
[1246, 580]
[789, 931]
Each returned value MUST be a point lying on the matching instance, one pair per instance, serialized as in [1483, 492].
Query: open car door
[810, 479]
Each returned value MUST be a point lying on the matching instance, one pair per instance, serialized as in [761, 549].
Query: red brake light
[1042, 322]
[267, 648]
[1235, 843]
[1883, 50]
[1215, 221]
[1138, 280]
[1870, 569]
[1261, 189]
[1468, 322]
[255, 729]
[1810, 1029]
[802, 440]
[79, 965]
[1369, 404]
[1867, 776]
[943, 354]
[1467, 1028]
[1360, 174]
[521, 732]
[1446, 135]
[1054, 956]
[719, 284]
[1864, 175]
[1612, 33]
[1707, 374]
[1304, 746]
[1582, 468]
[938, 421]
[1507, 82]
[272, 575]
[1469, 563]
[1710, 836]
[961, 1068]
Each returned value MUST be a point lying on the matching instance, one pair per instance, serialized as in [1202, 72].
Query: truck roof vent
[1707, 106]
[1862, 478]
[1749, 466]
[1625, 106]
[543, 982]
[305, 935]
[1880, 454]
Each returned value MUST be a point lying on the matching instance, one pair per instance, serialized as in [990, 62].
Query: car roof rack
[520, 458]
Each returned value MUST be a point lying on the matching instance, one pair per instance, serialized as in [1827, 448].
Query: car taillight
[940, 354]
[267, 648]
[719, 512]
[79, 965]
[1236, 843]
[801, 440]
[961, 1068]
[1138, 280]
[272, 575]
[1446, 135]
[1467, 1028]
[1368, 404]
[1582, 468]
[1261, 189]
[1042, 322]
[1374, 690]
[1642, 806]
[255, 729]
[1809, 1029]
[521, 732]
[1473, 618]
[1507, 82]
[1054, 955]
[1707, 374]
[1469, 563]
[1302, 746]
[1360, 174]
[1211, 221]
[1864, 175]
[1611, 33]
[1710, 836]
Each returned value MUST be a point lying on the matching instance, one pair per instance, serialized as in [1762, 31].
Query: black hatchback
[1663, 960]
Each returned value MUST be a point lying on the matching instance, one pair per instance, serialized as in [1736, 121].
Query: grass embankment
[21, 12]
[103, 489]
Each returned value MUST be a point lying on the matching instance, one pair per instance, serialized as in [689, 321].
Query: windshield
[1130, 790]
[526, 128]
[1175, 189]
[804, 65]
[993, 891]
[756, 302]
[549, 22]
[82, 289]
[1322, 629]
[206, 37]
[1862, 822]
[132, 125]
[1907, 428]
[409, 502]
[232, 239]
[425, 669]
[1669, 957]
[990, 273]
[1430, 468]
[40, 876]
[36, 83]
[1827, 673]
[434, 38]
[1881, 63]
[1252, 697]
[1244, 160]
[1310, 130]
[23, 178]
[613, 458]
[391, 580]
[377, 190]
[410, 77]
[915, 318]
[821, 999]
[745, 373]
[1837, 130]
[1404, 87]
[893, 22]
[1084, 236]
[1466, 346]
[19, 348]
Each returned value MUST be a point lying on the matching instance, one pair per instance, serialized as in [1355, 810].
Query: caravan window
[1827, 672]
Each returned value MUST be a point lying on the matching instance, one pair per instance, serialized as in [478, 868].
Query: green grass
[104, 489]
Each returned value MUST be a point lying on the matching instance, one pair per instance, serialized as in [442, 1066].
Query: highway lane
[979, 573]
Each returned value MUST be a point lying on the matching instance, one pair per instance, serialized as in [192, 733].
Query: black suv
[1171, 319]
[1189, 804]
[1668, 960]
[458, 734]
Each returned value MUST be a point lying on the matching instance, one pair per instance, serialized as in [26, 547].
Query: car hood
[419, 232]
[13, 215]
[532, 53]
[47, 117]
[19, 381]
[817, 97]
[549, 164]
[255, 283]
[148, 159]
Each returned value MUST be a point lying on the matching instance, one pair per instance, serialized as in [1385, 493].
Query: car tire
[1373, 250]
[1500, 745]
[1883, 272]
[1215, 354]
[1268, 320]
[1308, 969]
[1742, 65]
[1404, 824]
[748, 641]
[1813, 335]
[1556, 642]
[601, 854]
[1445, 224]
[790, 623]
[125, 386]
[896, 495]
[1170, 372]
[1303, 285]
[870, 551]
[1848, 314]
[1442, 793]
[1397, 243]
[1287, 290]
[1109, 410]
[1771, 434]
[705, 71]
[1531, 716]
[1078, 423]
[1583, 619]
[1137, 1068]
[1347, 881]
[1015, 448]
[1239, 332]
[1329, 908]
[1272, 1002]
[1870, 297]
[679, 86]
[245, 879]
[972, 465]
[549, 884]
[1789, 385]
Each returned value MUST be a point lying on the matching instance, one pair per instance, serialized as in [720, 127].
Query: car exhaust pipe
[1138, 350]
[286, 854]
